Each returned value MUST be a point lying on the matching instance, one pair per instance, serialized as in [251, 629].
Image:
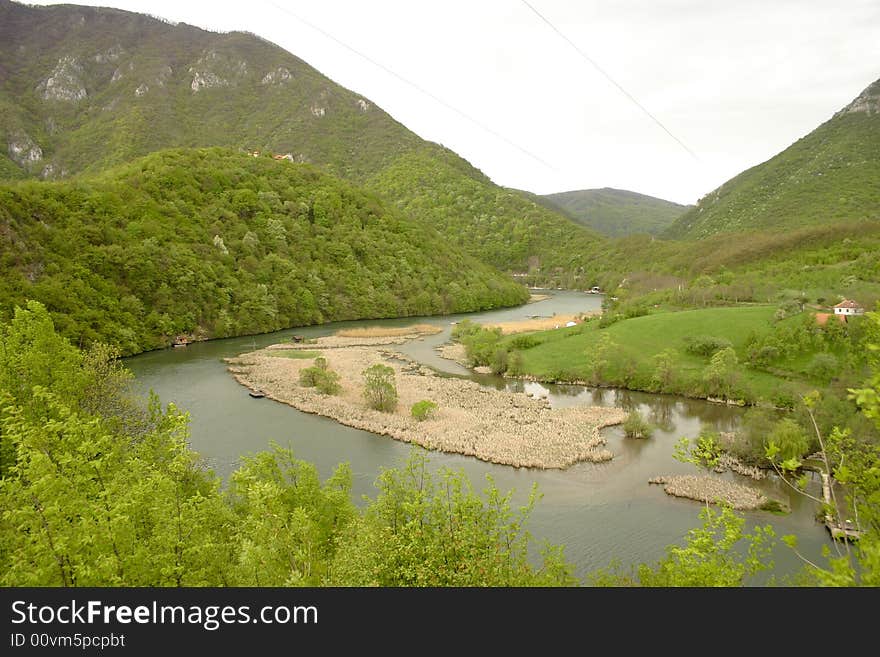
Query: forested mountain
[82, 89]
[500, 226]
[214, 243]
[617, 212]
[830, 176]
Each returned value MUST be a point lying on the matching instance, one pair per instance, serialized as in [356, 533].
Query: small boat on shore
[180, 341]
[257, 393]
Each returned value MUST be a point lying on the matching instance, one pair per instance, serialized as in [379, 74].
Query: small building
[848, 308]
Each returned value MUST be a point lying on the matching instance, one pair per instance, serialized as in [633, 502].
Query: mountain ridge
[617, 212]
[85, 89]
[830, 175]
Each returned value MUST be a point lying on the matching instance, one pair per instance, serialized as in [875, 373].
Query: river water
[600, 512]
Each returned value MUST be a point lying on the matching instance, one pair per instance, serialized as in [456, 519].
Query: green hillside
[830, 176]
[83, 89]
[507, 229]
[216, 243]
[617, 212]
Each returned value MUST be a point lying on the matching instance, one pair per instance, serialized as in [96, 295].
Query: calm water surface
[600, 512]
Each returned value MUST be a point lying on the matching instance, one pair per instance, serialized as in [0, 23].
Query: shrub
[380, 390]
[515, 365]
[721, 375]
[328, 382]
[635, 426]
[321, 377]
[823, 367]
[522, 342]
[705, 345]
[608, 319]
[498, 365]
[422, 410]
[664, 371]
[767, 354]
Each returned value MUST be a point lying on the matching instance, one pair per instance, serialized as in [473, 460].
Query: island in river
[498, 426]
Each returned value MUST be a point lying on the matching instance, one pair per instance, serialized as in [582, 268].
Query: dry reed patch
[388, 331]
[537, 323]
[705, 488]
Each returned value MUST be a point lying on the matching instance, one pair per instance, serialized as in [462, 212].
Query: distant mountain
[830, 176]
[617, 212]
[83, 89]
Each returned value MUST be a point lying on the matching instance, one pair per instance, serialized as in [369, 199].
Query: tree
[664, 370]
[380, 391]
[721, 374]
[787, 441]
[855, 463]
[705, 452]
[599, 357]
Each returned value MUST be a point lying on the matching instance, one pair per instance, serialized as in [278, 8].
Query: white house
[848, 307]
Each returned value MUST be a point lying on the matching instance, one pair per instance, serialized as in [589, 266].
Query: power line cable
[591, 61]
[412, 84]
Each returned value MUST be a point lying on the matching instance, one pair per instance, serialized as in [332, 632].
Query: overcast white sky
[736, 81]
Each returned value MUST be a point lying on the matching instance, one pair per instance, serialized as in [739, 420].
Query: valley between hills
[164, 188]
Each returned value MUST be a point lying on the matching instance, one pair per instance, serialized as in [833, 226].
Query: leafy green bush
[480, 343]
[523, 342]
[498, 364]
[705, 345]
[321, 377]
[515, 365]
[463, 329]
[380, 390]
[635, 426]
[422, 410]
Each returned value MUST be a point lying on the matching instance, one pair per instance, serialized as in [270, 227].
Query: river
[600, 512]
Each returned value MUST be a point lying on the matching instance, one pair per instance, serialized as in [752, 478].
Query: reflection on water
[599, 511]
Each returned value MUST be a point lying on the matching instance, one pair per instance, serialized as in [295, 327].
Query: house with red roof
[848, 308]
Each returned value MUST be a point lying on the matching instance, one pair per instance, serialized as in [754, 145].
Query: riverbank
[496, 426]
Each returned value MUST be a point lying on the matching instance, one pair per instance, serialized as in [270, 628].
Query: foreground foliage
[113, 496]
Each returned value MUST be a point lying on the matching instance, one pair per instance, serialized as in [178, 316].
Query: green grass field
[569, 354]
[299, 354]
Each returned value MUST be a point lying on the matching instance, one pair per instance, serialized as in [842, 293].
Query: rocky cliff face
[65, 81]
[868, 101]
